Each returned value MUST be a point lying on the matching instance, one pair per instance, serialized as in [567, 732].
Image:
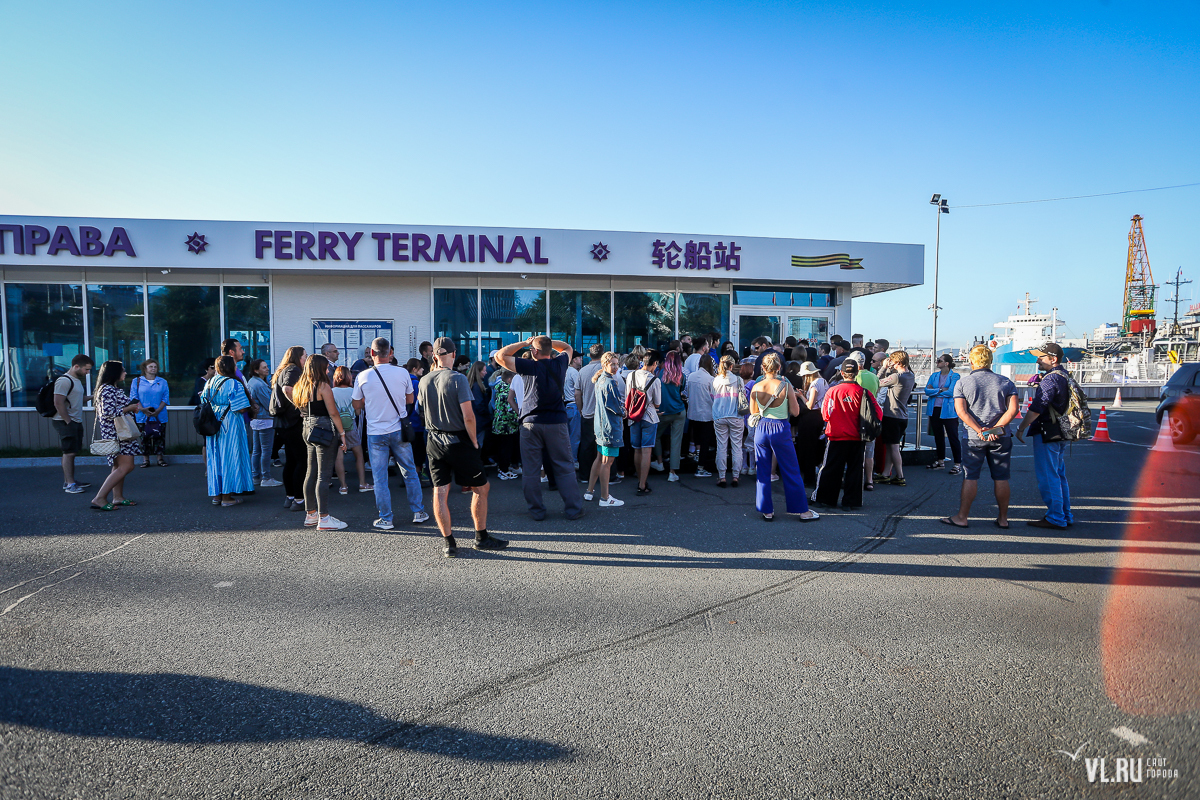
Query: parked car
[1180, 401]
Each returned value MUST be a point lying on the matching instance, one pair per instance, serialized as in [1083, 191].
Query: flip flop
[105, 507]
[996, 522]
[125, 503]
[952, 523]
[234, 502]
[145, 465]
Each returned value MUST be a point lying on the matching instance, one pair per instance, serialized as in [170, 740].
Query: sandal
[343, 490]
[721, 484]
[234, 502]
[768, 517]
[162, 462]
[125, 503]
[955, 470]
[948, 521]
[145, 465]
[936, 465]
[734, 483]
[366, 487]
[105, 507]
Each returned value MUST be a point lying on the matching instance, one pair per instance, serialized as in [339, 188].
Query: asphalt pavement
[676, 647]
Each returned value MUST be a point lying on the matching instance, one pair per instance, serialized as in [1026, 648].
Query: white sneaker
[674, 476]
[383, 525]
[774, 478]
[330, 523]
[508, 476]
[587, 495]
[701, 472]
[516, 471]
[270, 482]
[657, 466]
[420, 517]
[611, 502]
[545, 479]
[311, 519]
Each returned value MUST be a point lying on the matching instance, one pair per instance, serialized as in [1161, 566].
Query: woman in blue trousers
[775, 400]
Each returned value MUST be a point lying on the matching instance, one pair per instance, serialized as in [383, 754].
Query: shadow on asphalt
[168, 707]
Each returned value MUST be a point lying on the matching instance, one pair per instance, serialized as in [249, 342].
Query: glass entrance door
[751, 326]
[815, 328]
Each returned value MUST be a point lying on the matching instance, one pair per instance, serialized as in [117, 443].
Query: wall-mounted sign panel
[349, 336]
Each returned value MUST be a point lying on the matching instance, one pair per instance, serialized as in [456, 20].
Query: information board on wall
[349, 336]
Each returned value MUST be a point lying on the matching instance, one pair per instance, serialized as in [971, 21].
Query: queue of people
[809, 416]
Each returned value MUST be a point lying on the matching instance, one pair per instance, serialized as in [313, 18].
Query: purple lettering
[537, 251]
[497, 254]
[262, 240]
[119, 240]
[283, 243]
[91, 241]
[35, 235]
[519, 250]
[351, 243]
[399, 245]
[327, 245]
[457, 246]
[18, 239]
[420, 246]
[380, 238]
[63, 239]
[470, 248]
[304, 243]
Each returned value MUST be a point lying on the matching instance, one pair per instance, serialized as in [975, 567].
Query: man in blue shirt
[544, 424]
[1049, 464]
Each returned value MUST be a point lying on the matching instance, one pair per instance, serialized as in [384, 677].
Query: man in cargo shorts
[68, 418]
[444, 397]
[986, 403]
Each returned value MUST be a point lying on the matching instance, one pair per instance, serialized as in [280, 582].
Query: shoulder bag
[743, 400]
[407, 433]
[754, 419]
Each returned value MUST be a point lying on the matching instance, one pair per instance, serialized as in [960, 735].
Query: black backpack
[870, 426]
[45, 397]
[204, 419]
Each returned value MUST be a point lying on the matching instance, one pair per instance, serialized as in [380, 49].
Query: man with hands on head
[544, 421]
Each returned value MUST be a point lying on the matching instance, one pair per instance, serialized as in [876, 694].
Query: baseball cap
[859, 356]
[850, 367]
[444, 346]
[1048, 349]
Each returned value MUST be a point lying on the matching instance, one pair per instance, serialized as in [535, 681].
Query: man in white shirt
[384, 390]
[693, 361]
[571, 396]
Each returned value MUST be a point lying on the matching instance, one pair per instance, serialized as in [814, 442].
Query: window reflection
[45, 331]
[455, 314]
[248, 319]
[185, 329]
[581, 319]
[704, 313]
[643, 318]
[116, 325]
[512, 315]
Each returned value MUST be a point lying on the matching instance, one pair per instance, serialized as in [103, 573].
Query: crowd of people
[827, 419]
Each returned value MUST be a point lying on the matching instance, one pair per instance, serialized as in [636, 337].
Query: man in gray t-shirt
[987, 402]
[68, 418]
[440, 398]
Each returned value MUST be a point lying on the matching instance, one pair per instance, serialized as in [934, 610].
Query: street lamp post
[943, 207]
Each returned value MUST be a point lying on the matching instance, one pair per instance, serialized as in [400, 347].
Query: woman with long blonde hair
[608, 422]
[287, 419]
[313, 395]
[775, 400]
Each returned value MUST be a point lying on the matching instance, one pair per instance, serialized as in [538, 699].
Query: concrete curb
[84, 461]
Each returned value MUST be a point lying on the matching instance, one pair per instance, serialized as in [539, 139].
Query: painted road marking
[1134, 738]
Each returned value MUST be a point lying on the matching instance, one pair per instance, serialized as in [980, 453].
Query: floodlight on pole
[943, 207]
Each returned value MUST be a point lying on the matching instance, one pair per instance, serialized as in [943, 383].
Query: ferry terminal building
[132, 289]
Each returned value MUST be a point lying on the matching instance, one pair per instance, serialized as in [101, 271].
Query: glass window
[781, 296]
[704, 313]
[248, 319]
[456, 314]
[512, 315]
[116, 326]
[752, 326]
[45, 331]
[581, 319]
[645, 318]
[185, 329]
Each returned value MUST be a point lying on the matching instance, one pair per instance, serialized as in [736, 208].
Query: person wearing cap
[1049, 458]
[840, 473]
[810, 426]
[868, 381]
[445, 400]
[986, 403]
[543, 421]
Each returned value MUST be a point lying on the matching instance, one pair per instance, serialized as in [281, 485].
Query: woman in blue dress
[227, 456]
[152, 392]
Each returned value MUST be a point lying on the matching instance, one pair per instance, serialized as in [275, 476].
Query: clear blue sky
[769, 119]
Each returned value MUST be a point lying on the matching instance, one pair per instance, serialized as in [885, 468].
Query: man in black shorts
[444, 397]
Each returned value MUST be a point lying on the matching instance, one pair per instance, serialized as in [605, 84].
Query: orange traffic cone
[1165, 443]
[1101, 434]
[1117, 402]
